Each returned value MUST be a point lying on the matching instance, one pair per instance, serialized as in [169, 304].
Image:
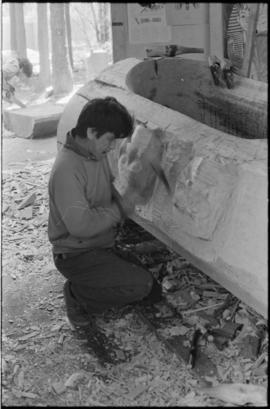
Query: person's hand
[126, 206]
[17, 102]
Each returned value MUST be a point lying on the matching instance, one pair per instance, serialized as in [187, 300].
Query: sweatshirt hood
[75, 147]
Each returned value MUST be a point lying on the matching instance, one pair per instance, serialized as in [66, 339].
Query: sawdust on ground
[45, 364]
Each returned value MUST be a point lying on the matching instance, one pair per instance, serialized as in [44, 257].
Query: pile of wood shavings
[44, 363]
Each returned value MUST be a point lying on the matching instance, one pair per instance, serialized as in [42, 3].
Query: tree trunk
[61, 71]
[84, 28]
[95, 21]
[43, 45]
[106, 22]
[13, 37]
[20, 30]
[102, 21]
[69, 34]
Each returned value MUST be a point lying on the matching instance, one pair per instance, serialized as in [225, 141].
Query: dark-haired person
[83, 215]
[14, 66]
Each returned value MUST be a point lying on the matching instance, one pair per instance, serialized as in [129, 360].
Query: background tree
[69, 34]
[43, 45]
[103, 22]
[93, 20]
[13, 37]
[61, 71]
[17, 29]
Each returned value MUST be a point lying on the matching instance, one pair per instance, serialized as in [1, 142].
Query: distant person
[237, 33]
[12, 66]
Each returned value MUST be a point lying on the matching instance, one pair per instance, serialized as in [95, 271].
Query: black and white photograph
[134, 204]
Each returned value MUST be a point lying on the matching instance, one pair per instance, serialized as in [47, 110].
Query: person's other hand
[126, 206]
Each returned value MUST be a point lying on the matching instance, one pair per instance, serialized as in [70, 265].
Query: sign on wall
[147, 25]
[179, 14]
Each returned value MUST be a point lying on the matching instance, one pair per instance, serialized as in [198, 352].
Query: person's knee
[148, 281]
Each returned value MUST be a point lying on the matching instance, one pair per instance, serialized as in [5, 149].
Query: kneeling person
[13, 66]
[84, 212]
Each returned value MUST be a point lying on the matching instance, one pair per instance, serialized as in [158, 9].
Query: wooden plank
[217, 214]
[216, 29]
[36, 121]
[119, 30]
[260, 57]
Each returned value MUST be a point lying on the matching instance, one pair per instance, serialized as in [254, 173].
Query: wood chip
[15, 369]
[20, 379]
[19, 348]
[26, 213]
[175, 331]
[202, 308]
[74, 379]
[34, 328]
[30, 200]
[29, 395]
[137, 391]
[4, 366]
[61, 339]
[16, 393]
[26, 337]
[59, 387]
[238, 393]
[57, 327]
[5, 208]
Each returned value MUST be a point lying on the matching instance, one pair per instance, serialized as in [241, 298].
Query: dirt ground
[46, 363]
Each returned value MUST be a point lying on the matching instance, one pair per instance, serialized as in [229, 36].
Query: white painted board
[147, 25]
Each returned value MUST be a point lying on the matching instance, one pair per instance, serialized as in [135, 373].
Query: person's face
[102, 145]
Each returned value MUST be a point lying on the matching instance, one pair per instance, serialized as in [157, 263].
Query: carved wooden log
[217, 214]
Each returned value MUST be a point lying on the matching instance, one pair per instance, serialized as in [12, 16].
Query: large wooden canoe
[215, 157]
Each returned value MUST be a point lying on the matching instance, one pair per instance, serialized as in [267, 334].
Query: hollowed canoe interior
[187, 86]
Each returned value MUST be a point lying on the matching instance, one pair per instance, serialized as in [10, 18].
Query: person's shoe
[154, 297]
[76, 315]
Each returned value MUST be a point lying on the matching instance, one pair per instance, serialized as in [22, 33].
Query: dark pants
[100, 279]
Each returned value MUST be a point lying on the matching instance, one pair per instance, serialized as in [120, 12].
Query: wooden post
[43, 46]
[20, 31]
[119, 30]
[13, 36]
[61, 70]
[69, 34]
[251, 38]
[206, 30]
[216, 29]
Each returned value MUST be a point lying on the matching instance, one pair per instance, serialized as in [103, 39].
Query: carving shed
[214, 155]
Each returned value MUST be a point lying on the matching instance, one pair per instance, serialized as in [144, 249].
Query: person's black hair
[104, 115]
[27, 66]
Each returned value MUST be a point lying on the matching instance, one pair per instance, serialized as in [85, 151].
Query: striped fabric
[235, 37]
[236, 44]
[233, 24]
